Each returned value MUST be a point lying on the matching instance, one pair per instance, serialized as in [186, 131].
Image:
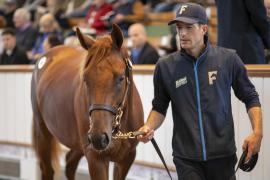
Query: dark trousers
[216, 169]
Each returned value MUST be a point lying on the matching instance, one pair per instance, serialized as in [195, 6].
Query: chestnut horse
[81, 97]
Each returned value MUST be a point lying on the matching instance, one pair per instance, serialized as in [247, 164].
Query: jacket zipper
[199, 109]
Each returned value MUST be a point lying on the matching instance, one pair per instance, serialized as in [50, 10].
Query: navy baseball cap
[190, 13]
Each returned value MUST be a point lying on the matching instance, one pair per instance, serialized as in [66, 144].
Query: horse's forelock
[102, 48]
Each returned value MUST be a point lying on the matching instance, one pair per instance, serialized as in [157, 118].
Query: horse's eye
[120, 79]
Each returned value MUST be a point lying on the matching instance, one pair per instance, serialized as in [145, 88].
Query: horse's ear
[85, 41]
[117, 36]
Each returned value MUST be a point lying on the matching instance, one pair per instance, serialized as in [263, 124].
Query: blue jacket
[243, 25]
[200, 94]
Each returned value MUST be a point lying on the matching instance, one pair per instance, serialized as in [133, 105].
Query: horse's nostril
[104, 140]
[99, 142]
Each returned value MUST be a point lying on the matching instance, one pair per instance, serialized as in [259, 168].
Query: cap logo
[182, 9]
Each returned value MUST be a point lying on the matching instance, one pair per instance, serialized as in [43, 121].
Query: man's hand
[149, 134]
[252, 144]
[154, 120]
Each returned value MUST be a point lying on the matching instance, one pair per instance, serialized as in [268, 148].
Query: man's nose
[183, 31]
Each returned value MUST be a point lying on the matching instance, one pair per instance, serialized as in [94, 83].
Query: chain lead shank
[128, 135]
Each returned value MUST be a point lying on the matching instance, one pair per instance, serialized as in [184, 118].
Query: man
[244, 26]
[26, 34]
[122, 8]
[96, 17]
[8, 11]
[198, 80]
[12, 54]
[141, 52]
[47, 25]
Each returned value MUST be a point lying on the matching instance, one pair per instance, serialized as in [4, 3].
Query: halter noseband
[117, 111]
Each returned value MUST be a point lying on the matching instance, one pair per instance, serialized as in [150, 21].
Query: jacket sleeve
[259, 19]
[161, 99]
[242, 86]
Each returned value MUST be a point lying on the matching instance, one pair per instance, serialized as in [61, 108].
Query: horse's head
[106, 75]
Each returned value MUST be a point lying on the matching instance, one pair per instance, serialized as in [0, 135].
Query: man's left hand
[252, 144]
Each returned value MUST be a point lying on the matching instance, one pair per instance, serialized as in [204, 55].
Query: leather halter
[117, 111]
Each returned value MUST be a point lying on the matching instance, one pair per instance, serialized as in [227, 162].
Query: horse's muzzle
[98, 141]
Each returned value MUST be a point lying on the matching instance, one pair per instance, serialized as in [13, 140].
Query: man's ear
[85, 41]
[205, 28]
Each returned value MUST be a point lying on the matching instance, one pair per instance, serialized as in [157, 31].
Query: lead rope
[132, 135]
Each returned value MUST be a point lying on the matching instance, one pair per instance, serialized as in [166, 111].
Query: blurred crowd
[31, 27]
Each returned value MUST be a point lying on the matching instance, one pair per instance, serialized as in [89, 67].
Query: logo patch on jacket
[181, 82]
[212, 75]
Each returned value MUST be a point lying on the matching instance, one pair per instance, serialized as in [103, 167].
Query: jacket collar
[202, 54]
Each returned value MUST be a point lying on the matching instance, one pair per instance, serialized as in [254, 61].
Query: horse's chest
[119, 149]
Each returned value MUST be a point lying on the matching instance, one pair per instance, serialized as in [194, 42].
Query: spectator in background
[47, 26]
[56, 8]
[12, 54]
[97, 17]
[244, 26]
[52, 41]
[26, 34]
[2, 22]
[32, 5]
[141, 52]
[167, 5]
[121, 8]
[73, 9]
[10, 7]
[80, 11]
[52, 6]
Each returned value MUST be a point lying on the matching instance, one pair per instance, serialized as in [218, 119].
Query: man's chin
[185, 46]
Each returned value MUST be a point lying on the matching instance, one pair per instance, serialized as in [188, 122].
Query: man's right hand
[149, 134]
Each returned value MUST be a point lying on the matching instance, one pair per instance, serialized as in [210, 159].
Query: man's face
[46, 27]
[191, 35]
[137, 37]
[9, 41]
[18, 20]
